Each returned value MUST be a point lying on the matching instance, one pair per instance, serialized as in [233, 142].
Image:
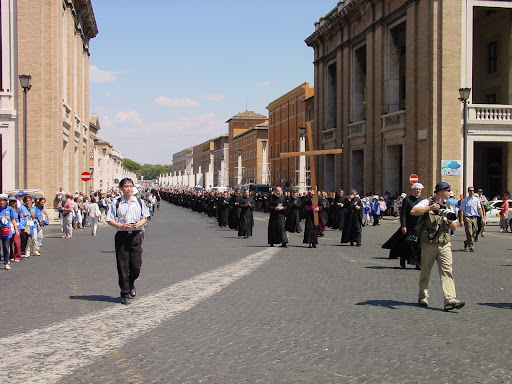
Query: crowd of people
[24, 216]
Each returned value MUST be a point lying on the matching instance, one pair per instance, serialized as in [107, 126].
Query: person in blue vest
[7, 227]
[375, 209]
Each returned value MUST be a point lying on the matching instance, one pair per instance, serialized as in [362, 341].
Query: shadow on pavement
[104, 298]
[381, 267]
[498, 305]
[108, 251]
[393, 304]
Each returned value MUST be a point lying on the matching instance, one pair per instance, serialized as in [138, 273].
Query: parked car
[493, 216]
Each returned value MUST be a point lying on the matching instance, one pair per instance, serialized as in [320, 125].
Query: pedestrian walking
[42, 221]
[469, 211]
[436, 246]
[277, 222]
[94, 215]
[7, 228]
[67, 216]
[353, 220]
[128, 214]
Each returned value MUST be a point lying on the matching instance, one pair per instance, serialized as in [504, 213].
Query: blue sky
[167, 74]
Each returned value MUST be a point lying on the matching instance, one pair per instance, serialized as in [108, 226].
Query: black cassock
[293, 215]
[234, 212]
[222, 211]
[353, 221]
[246, 205]
[276, 222]
[310, 230]
[339, 213]
[398, 246]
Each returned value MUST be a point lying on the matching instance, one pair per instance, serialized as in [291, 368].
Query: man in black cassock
[293, 214]
[353, 219]
[276, 222]
[222, 204]
[408, 252]
[234, 210]
[246, 204]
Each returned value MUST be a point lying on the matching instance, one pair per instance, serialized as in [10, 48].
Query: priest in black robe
[234, 210]
[293, 214]
[222, 204]
[408, 252]
[246, 204]
[311, 230]
[353, 220]
[276, 222]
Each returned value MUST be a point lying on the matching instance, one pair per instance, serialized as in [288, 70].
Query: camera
[445, 212]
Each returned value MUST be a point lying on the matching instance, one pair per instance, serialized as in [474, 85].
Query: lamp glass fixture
[464, 93]
[264, 143]
[25, 81]
[302, 131]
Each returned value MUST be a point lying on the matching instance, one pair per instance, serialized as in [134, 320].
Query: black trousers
[129, 258]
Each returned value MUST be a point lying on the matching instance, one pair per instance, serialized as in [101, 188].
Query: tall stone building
[247, 131]
[286, 114]
[53, 47]
[387, 79]
[8, 95]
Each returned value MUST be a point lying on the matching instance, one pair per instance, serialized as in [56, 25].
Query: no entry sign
[413, 178]
[86, 176]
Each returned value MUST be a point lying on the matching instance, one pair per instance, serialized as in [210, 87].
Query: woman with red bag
[7, 227]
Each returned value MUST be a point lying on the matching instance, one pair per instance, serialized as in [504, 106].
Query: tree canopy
[146, 171]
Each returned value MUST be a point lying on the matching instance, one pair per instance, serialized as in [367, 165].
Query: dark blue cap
[442, 186]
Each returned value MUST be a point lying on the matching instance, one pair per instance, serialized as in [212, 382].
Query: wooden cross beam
[311, 153]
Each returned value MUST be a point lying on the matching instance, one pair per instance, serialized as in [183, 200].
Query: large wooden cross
[311, 153]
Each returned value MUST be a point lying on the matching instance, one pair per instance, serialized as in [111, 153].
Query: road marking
[45, 355]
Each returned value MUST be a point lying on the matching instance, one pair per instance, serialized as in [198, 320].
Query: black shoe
[310, 246]
[351, 244]
[465, 244]
[423, 303]
[125, 300]
[284, 245]
[476, 239]
[271, 245]
[359, 244]
[133, 292]
[314, 245]
[453, 304]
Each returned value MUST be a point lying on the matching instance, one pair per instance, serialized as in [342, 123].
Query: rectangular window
[277, 150]
[284, 147]
[491, 99]
[493, 57]
[292, 146]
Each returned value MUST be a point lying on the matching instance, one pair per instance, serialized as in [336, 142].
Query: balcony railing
[357, 129]
[490, 114]
[329, 135]
[395, 120]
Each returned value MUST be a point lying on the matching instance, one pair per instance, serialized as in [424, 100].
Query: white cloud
[155, 142]
[185, 102]
[212, 97]
[97, 75]
[264, 84]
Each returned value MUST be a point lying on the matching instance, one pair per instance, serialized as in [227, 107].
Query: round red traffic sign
[413, 178]
[86, 176]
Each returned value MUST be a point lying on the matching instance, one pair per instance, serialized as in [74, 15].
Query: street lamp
[464, 97]
[302, 160]
[302, 131]
[25, 84]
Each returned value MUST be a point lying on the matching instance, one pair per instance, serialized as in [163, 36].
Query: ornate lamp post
[25, 84]
[302, 160]
[464, 94]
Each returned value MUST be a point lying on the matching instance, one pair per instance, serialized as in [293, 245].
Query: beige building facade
[8, 96]
[53, 47]
[387, 80]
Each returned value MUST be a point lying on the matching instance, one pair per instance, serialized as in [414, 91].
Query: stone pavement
[337, 314]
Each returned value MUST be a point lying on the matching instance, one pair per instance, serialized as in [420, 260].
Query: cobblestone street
[337, 314]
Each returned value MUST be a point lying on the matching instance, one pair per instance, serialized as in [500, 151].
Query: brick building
[247, 132]
[53, 47]
[286, 115]
[387, 79]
